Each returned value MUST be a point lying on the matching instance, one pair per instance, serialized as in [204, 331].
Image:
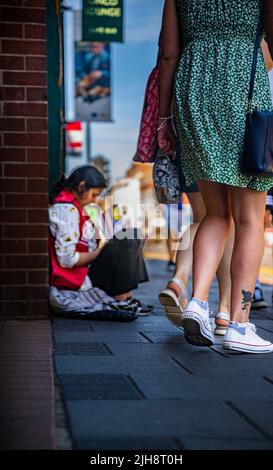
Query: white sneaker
[195, 321]
[242, 337]
[221, 323]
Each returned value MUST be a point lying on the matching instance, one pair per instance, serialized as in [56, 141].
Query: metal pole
[88, 142]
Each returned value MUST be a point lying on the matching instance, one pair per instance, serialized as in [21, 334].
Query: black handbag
[257, 158]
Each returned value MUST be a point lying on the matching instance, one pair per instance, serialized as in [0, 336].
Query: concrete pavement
[142, 386]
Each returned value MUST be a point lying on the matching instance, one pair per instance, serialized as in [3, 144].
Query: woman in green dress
[204, 75]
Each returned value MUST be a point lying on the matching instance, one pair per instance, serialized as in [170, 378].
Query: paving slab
[187, 386]
[81, 348]
[100, 387]
[158, 419]
[98, 337]
[116, 364]
[226, 444]
[153, 390]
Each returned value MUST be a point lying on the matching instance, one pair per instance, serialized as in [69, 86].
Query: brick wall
[23, 158]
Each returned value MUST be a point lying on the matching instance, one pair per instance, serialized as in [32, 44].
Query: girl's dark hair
[92, 178]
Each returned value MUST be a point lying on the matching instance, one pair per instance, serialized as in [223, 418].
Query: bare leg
[210, 238]
[248, 212]
[223, 274]
[184, 256]
[174, 298]
[124, 296]
[171, 244]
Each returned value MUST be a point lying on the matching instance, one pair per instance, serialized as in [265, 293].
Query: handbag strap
[254, 60]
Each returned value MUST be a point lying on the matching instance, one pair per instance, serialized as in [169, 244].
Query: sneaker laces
[251, 328]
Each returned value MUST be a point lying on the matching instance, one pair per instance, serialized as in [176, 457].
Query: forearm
[268, 24]
[170, 53]
[167, 70]
[86, 258]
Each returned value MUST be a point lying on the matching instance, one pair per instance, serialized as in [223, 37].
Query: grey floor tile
[178, 419]
[257, 411]
[226, 444]
[192, 387]
[100, 387]
[99, 337]
[127, 443]
[90, 349]
[117, 364]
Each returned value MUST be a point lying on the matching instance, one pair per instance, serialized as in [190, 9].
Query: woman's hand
[167, 139]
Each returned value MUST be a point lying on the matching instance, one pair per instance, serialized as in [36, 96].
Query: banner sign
[92, 82]
[102, 20]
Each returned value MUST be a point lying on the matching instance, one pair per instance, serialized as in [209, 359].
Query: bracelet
[166, 117]
[164, 121]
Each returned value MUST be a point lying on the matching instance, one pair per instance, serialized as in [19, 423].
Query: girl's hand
[167, 139]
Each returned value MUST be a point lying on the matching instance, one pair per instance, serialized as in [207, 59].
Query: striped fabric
[91, 300]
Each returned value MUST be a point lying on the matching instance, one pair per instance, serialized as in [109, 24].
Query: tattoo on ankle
[247, 296]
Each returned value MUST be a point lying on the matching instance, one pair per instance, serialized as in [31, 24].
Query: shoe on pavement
[195, 321]
[137, 307]
[243, 337]
[141, 308]
[221, 323]
[258, 297]
[174, 298]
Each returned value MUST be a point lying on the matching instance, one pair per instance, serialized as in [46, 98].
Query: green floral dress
[211, 89]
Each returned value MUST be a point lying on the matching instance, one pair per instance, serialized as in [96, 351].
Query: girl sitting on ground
[74, 246]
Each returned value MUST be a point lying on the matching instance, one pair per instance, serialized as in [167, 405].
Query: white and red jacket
[66, 276]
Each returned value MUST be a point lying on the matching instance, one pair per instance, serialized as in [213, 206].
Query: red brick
[28, 201]
[37, 94]
[35, 63]
[12, 124]
[35, 31]
[35, 3]
[25, 109]
[25, 231]
[12, 154]
[37, 185]
[25, 140]
[13, 246]
[37, 216]
[26, 261]
[37, 246]
[38, 277]
[11, 2]
[11, 30]
[14, 309]
[25, 292]
[8, 93]
[24, 78]
[33, 15]
[13, 185]
[12, 277]
[37, 125]
[38, 170]
[38, 309]
[13, 215]
[24, 47]
[8, 62]
[37, 155]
